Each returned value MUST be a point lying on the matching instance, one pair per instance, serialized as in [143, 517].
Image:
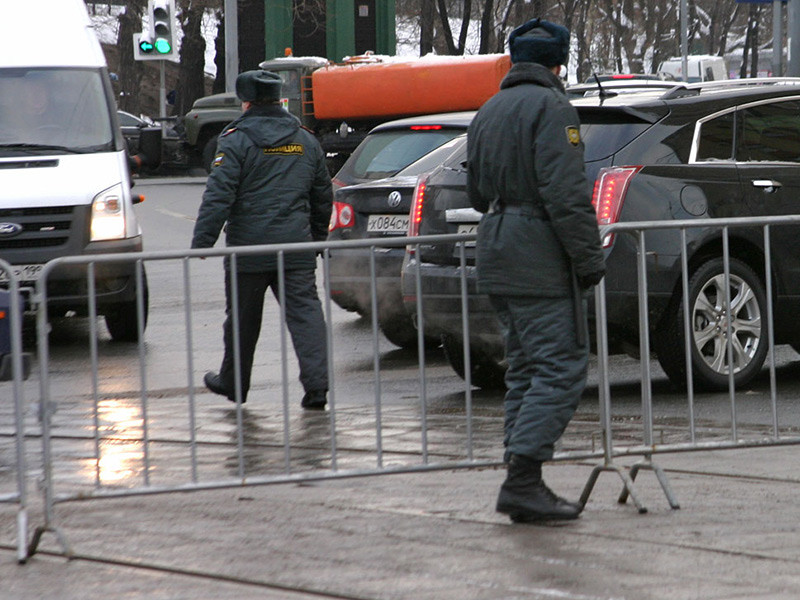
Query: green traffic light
[163, 46]
[146, 46]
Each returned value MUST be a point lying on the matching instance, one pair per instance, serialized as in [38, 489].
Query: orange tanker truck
[341, 102]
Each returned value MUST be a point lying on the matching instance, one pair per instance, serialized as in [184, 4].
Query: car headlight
[108, 215]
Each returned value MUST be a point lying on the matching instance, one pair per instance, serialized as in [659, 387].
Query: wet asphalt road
[184, 418]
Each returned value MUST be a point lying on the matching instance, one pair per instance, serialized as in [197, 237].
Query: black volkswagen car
[714, 149]
[378, 210]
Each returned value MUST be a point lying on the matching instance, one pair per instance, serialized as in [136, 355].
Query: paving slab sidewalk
[435, 536]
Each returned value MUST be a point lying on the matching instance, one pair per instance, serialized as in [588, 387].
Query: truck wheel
[400, 331]
[121, 320]
[709, 344]
[209, 150]
[487, 373]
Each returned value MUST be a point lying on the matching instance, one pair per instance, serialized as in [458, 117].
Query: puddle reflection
[121, 443]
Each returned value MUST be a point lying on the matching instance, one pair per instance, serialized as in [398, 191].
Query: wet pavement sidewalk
[434, 536]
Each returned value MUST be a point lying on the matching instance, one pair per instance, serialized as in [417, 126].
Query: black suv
[715, 149]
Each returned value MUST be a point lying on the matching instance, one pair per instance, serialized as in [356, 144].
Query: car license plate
[23, 272]
[391, 224]
[468, 228]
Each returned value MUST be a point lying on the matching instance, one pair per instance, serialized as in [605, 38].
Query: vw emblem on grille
[394, 199]
[10, 229]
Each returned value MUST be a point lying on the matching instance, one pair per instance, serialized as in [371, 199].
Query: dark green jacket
[269, 183]
[524, 149]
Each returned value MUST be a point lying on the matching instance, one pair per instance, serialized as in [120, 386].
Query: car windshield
[54, 109]
[384, 153]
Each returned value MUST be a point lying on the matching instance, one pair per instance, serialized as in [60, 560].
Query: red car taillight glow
[415, 214]
[609, 194]
[416, 207]
[342, 216]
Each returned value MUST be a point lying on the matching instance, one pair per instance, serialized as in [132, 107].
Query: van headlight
[108, 215]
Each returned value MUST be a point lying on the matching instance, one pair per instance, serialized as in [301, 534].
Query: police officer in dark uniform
[537, 245]
[268, 185]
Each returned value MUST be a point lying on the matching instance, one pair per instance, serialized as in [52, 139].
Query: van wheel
[709, 345]
[122, 320]
[487, 373]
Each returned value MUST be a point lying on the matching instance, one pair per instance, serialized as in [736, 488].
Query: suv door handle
[768, 185]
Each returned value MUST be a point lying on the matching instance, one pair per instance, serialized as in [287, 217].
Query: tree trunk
[487, 27]
[426, 22]
[584, 67]
[130, 71]
[191, 75]
[219, 56]
[444, 17]
[747, 43]
[755, 15]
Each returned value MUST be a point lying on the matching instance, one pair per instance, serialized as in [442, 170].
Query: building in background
[332, 29]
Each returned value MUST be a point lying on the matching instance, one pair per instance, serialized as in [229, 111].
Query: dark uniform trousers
[304, 319]
[546, 371]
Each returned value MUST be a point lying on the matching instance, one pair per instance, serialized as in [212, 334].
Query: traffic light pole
[162, 89]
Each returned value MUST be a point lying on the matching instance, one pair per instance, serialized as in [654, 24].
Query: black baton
[580, 317]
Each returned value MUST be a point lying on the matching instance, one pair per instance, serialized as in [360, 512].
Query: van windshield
[53, 110]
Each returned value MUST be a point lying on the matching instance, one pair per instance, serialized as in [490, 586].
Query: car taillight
[342, 216]
[609, 194]
[415, 216]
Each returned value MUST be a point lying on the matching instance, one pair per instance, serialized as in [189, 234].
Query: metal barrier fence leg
[46, 409]
[626, 480]
[604, 390]
[647, 463]
[19, 368]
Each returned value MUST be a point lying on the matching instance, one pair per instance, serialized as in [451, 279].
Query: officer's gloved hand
[587, 280]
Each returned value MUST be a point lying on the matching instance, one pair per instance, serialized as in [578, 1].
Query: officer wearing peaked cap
[538, 248]
[268, 185]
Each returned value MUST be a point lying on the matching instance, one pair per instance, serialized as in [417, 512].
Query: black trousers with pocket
[304, 319]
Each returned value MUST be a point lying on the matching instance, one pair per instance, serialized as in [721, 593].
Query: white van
[65, 184]
[704, 67]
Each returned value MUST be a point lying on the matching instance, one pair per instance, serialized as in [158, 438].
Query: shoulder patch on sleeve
[229, 131]
[573, 135]
[218, 159]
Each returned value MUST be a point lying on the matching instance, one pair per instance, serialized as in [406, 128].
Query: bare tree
[130, 71]
[191, 74]
[444, 11]
[426, 25]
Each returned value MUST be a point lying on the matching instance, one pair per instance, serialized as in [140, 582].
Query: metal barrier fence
[129, 424]
[75, 464]
[689, 438]
[12, 409]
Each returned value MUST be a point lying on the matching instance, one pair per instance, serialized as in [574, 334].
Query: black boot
[214, 383]
[524, 497]
[315, 400]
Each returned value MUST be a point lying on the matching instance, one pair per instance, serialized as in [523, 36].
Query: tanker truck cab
[65, 184]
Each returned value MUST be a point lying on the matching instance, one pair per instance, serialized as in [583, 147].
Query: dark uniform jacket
[270, 184]
[525, 156]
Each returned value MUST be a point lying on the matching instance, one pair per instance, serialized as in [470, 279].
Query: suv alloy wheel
[710, 344]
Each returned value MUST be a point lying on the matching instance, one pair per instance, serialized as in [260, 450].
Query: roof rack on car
[692, 89]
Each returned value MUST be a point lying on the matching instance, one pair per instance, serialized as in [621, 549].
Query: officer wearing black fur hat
[268, 185]
[538, 243]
